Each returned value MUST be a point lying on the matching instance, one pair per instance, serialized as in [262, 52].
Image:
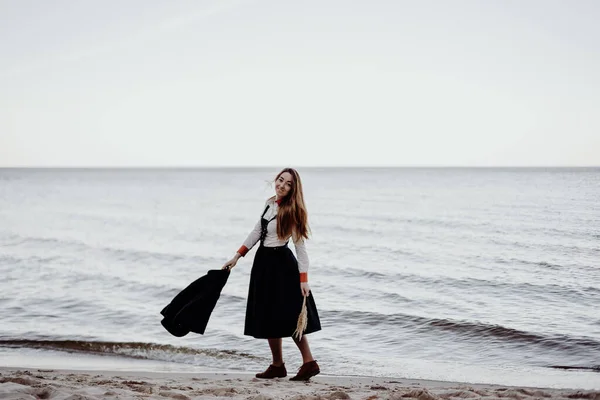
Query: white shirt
[272, 240]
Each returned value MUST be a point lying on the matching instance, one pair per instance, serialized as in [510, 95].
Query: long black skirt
[274, 296]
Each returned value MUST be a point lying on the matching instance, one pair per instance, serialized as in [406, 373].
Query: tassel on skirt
[274, 297]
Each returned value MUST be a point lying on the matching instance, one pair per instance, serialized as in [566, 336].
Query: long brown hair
[292, 217]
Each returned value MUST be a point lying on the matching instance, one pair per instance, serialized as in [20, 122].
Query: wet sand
[21, 383]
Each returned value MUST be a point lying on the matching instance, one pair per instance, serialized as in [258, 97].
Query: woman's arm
[246, 246]
[251, 240]
[303, 263]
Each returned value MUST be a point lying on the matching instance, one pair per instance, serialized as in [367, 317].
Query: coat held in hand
[190, 310]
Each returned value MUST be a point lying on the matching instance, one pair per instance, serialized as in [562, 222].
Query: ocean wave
[119, 254]
[12, 261]
[542, 290]
[594, 368]
[348, 229]
[465, 330]
[409, 221]
[543, 264]
[138, 350]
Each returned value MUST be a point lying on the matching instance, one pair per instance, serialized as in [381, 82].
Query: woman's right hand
[231, 263]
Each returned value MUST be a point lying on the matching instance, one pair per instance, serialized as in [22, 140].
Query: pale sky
[299, 83]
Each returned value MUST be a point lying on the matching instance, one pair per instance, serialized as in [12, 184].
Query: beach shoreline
[35, 383]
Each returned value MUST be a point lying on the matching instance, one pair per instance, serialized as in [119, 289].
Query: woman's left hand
[304, 288]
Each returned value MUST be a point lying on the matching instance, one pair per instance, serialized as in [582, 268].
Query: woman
[279, 282]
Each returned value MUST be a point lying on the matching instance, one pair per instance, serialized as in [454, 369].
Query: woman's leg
[276, 351]
[277, 368]
[304, 349]
[309, 366]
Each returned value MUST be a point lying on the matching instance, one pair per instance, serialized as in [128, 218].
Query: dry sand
[68, 384]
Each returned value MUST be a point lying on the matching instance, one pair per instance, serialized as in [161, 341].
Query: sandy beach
[17, 383]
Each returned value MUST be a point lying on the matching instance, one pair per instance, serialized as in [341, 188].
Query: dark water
[480, 275]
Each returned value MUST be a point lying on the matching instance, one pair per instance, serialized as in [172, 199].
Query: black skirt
[274, 296]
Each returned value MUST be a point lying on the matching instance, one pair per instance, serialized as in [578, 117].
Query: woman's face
[283, 185]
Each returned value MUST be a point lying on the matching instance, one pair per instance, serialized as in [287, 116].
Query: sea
[476, 275]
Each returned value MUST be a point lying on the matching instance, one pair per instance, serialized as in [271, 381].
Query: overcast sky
[299, 83]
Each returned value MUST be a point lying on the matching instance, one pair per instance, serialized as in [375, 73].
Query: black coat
[190, 310]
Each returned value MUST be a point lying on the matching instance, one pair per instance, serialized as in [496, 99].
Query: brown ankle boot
[273, 372]
[306, 371]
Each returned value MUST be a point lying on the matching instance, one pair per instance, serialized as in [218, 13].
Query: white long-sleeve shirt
[272, 240]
